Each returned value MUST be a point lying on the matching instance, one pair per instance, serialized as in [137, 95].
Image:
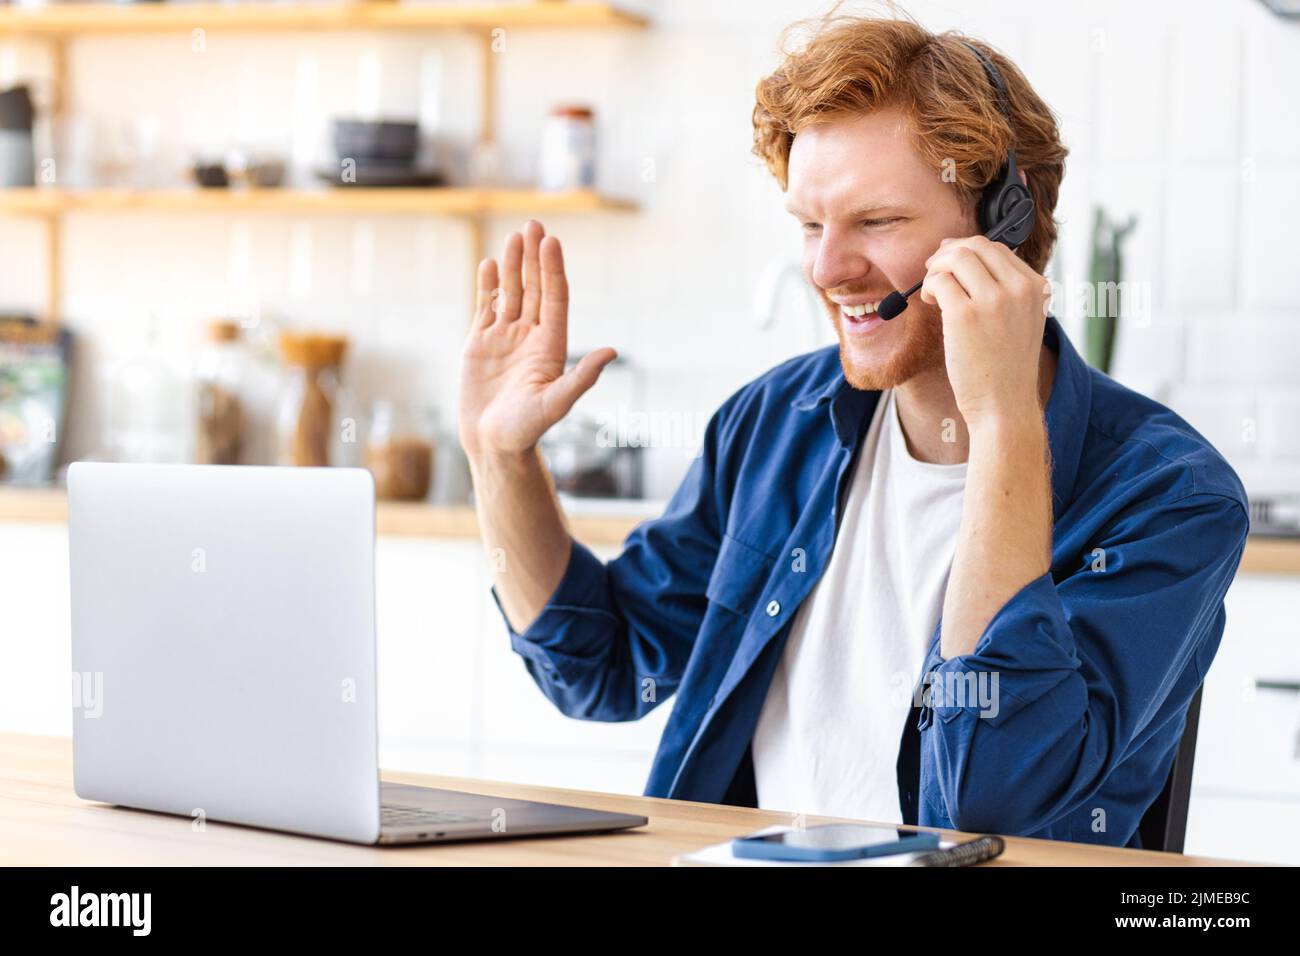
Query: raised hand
[513, 385]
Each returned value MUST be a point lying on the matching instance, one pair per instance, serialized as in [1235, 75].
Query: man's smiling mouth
[859, 318]
[860, 311]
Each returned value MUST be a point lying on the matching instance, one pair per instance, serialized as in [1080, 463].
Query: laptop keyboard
[393, 815]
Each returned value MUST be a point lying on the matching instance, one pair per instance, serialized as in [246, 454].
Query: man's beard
[920, 350]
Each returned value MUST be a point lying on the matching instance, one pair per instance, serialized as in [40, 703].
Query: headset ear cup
[997, 202]
[988, 207]
[1008, 196]
[1009, 192]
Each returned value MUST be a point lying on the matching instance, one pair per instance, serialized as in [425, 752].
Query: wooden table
[42, 822]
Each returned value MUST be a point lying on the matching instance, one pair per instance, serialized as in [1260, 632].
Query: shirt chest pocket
[739, 575]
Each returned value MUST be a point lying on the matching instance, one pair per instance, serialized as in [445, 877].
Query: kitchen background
[626, 130]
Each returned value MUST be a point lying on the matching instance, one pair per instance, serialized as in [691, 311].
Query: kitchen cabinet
[455, 698]
[1246, 781]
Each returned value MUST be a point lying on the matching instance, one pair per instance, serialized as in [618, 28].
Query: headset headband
[995, 78]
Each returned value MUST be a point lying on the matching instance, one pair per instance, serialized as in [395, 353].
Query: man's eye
[811, 226]
[882, 222]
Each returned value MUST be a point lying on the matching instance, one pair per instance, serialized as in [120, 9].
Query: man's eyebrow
[856, 213]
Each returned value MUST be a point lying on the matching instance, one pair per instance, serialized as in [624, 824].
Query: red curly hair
[854, 65]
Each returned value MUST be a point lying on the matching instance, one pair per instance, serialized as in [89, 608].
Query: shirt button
[773, 608]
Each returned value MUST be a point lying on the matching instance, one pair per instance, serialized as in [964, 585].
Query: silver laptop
[223, 658]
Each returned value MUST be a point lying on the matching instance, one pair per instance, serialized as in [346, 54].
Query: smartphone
[832, 841]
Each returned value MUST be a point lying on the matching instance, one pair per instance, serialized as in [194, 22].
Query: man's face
[872, 212]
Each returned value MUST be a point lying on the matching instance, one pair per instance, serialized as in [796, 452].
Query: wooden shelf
[392, 518]
[445, 201]
[417, 519]
[69, 19]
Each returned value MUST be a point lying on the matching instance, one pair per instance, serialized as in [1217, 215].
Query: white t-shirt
[827, 738]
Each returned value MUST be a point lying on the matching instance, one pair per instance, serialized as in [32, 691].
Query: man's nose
[839, 261]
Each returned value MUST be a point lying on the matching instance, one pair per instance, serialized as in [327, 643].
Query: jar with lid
[401, 439]
[312, 416]
[218, 375]
[568, 154]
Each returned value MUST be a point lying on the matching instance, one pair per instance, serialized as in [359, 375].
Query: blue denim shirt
[1096, 661]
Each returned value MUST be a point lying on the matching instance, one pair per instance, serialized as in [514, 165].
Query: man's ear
[1024, 182]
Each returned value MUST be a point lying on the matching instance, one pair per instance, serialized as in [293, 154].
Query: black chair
[1164, 825]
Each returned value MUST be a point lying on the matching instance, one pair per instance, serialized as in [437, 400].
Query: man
[948, 516]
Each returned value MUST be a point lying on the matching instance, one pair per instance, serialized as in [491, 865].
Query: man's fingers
[533, 234]
[968, 268]
[555, 285]
[512, 285]
[569, 387]
[1016, 280]
[485, 306]
[1003, 264]
[943, 290]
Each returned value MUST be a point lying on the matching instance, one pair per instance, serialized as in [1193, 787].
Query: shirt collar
[848, 404]
[1067, 412]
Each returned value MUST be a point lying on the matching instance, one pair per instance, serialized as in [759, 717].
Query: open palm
[513, 386]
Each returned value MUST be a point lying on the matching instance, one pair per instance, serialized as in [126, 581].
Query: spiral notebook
[950, 853]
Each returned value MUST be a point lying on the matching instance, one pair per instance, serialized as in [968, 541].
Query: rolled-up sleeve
[1070, 672]
[614, 638]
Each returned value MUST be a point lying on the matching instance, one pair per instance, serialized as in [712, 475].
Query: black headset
[1006, 191]
[1005, 211]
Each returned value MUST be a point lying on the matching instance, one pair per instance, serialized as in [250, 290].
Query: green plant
[1103, 304]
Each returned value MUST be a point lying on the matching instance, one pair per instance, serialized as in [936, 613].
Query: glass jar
[218, 375]
[568, 154]
[312, 424]
[150, 416]
[400, 443]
